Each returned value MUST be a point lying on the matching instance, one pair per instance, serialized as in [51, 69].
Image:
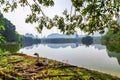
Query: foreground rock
[23, 67]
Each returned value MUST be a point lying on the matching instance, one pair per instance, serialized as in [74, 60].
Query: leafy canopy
[89, 15]
[1, 29]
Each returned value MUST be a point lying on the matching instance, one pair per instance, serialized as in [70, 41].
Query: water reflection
[114, 54]
[96, 56]
[72, 45]
[99, 46]
[87, 40]
[108, 47]
[113, 50]
[10, 48]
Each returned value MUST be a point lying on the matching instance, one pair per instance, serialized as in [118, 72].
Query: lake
[95, 57]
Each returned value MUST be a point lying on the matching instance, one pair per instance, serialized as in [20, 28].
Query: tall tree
[8, 31]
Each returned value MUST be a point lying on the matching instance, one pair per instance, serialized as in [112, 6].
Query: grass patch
[19, 67]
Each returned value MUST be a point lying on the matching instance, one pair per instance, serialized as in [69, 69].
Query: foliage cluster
[89, 15]
[113, 47]
[112, 41]
[1, 28]
[7, 31]
[110, 37]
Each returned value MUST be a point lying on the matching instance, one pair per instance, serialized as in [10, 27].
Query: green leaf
[2, 27]
[1, 39]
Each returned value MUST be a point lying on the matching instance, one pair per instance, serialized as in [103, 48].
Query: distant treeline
[60, 40]
[9, 34]
[28, 41]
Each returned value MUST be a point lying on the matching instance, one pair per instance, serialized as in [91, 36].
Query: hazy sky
[18, 18]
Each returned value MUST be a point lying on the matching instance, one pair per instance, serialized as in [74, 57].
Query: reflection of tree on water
[87, 40]
[113, 50]
[114, 54]
[10, 48]
[28, 41]
[66, 42]
[56, 45]
[27, 44]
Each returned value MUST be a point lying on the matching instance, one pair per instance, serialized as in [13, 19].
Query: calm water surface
[95, 57]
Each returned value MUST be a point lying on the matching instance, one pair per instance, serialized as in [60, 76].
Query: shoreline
[96, 70]
[22, 64]
[103, 72]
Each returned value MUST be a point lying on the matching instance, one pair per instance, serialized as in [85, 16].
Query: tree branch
[40, 8]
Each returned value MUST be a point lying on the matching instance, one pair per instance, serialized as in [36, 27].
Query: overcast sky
[18, 18]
